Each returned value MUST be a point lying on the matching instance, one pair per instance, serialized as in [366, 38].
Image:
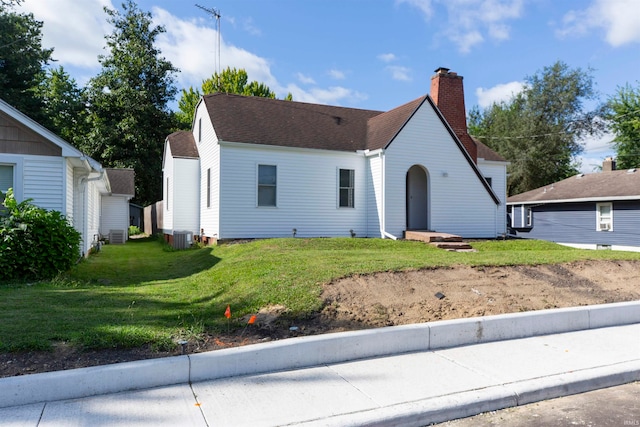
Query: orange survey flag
[252, 319]
[227, 312]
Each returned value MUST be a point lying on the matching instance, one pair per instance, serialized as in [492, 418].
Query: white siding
[186, 195]
[374, 196]
[115, 214]
[44, 181]
[458, 202]
[307, 193]
[69, 191]
[209, 151]
[167, 191]
[497, 171]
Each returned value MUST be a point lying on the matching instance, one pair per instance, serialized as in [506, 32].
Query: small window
[488, 179]
[167, 198]
[346, 179]
[528, 217]
[604, 217]
[267, 183]
[200, 129]
[6, 181]
[209, 187]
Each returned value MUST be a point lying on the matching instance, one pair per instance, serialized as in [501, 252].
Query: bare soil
[387, 299]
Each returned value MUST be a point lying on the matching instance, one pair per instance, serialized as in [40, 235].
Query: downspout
[85, 204]
[383, 229]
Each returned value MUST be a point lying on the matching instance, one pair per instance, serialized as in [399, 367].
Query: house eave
[578, 200]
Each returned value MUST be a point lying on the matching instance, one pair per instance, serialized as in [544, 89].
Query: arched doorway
[417, 199]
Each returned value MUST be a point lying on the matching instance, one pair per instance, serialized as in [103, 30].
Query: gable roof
[613, 185]
[287, 123]
[484, 152]
[383, 128]
[183, 144]
[121, 181]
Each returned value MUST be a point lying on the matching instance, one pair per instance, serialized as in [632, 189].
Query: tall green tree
[63, 106]
[22, 60]
[128, 101]
[231, 80]
[624, 120]
[539, 129]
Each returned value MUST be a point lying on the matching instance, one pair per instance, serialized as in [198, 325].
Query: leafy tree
[22, 60]
[128, 101]
[34, 243]
[231, 80]
[624, 119]
[539, 129]
[63, 105]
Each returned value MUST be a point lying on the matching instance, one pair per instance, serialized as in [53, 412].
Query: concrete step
[453, 246]
[431, 236]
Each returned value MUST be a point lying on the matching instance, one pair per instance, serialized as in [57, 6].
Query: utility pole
[216, 14]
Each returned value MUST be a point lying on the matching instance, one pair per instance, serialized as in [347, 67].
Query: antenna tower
[215, 13]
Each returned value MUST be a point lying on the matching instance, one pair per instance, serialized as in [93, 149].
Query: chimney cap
[442, 70]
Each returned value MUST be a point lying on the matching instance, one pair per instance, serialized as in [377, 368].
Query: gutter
[383, 228]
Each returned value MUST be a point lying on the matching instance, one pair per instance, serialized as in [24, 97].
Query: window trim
[350, 189]
[599, 220]
[258, 185]
[13, 182]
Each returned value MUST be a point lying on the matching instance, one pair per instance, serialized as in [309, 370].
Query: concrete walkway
[410, 375]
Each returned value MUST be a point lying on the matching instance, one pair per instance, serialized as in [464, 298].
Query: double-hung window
[604, 217]
[267, 185]
[346, 186]
[6, 180]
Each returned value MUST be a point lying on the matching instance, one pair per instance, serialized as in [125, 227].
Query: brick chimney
[608, 165]
[448, 94]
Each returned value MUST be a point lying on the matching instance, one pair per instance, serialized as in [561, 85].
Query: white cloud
[596, 149]
[400, 73]
[620, 20]
[305, 79]
[424, 6]
[387, 57]
[337, 74]
[470, 22]
[335, 95]
[74, 29]
[192, 47]
[498, 93]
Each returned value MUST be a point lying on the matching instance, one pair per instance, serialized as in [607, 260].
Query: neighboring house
[590, 211]
[41, 166]
[115, 206]
[255, 167]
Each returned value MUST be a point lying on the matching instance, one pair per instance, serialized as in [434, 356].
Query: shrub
[34, 243]
[134, 231]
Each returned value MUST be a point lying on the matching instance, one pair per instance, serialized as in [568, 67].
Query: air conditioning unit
[117, 237]
[605, 226]
[182, 239]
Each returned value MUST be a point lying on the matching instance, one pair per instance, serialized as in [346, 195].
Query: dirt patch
[388, 299]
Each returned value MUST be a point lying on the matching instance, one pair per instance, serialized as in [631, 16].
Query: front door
[417, 200]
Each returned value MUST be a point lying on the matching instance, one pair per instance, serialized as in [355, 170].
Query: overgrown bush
[34, 243]
[134, 231]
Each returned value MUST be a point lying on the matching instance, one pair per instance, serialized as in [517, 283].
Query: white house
[254, 167]
[41, 166]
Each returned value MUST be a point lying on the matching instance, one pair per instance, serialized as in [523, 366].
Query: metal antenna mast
[216, 14]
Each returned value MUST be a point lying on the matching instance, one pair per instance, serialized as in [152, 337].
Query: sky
[373, 54]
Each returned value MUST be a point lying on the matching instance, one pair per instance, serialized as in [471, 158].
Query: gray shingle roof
[612, 185]
[183, 144]
[287, 123]
[121, 181]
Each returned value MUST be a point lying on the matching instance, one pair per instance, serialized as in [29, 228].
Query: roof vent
[632, 170]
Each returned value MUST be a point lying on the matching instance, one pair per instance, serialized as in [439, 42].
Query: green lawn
[141, 293]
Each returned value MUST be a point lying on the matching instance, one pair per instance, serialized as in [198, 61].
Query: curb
[469, 403]
[295, 353]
